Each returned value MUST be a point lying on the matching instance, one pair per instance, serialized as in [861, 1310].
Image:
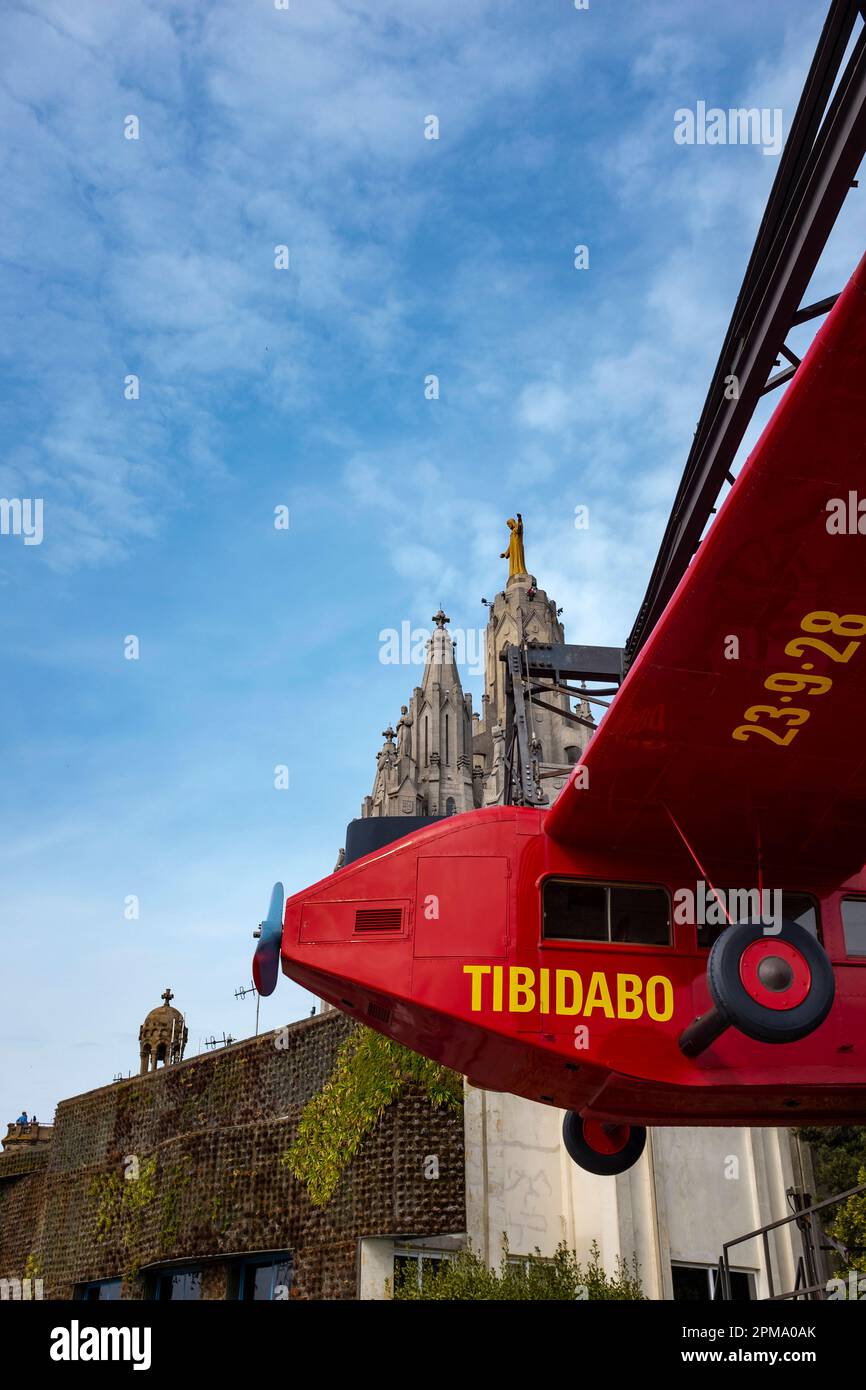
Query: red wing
[686, 735]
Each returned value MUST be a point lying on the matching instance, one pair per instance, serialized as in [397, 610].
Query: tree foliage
[849, 1226]
[838, 1154]
[839, 1160]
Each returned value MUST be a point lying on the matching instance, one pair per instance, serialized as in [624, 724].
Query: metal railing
[808, 1282]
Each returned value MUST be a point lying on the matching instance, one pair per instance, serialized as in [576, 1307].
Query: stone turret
[162, 1037]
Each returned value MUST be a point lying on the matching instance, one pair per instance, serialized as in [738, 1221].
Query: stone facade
[429, 772]
[448, 758]
[181, 1168]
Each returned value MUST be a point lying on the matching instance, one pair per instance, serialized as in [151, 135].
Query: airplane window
[574, 911]
[639, 915]
[800, 908]
[854, 925]
[707, 933]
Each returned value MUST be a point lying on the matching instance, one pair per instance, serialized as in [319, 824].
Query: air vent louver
[378, 919]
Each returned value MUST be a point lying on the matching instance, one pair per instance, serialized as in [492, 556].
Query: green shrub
[563, 1278]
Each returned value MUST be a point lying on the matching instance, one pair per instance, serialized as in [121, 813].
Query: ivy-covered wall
[22, 1199]
[185, 1164]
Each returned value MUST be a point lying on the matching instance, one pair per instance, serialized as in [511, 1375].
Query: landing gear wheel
[602, 1148]
[774, 988]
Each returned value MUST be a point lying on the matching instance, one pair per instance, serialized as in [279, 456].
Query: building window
[416, 1264]
[525, 1262]
[576, 911]
[180, 1285]
[98, 1291]
[572, 752]
[699, 1284]
[854, 925]
[267, 1279]
[799, 907]
[447, 758]
[450, 806]
[426, 725]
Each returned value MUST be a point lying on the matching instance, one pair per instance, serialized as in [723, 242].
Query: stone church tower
[430, 771]
[448, 759]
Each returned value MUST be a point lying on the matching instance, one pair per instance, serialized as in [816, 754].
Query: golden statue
[514, 554]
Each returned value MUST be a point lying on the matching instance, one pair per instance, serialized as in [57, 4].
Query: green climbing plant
[174, 1181]
[370, 1073]
[563, 1278]
[120, 1204]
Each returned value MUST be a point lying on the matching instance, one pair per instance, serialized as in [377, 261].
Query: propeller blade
[275, 911]
[266, 961]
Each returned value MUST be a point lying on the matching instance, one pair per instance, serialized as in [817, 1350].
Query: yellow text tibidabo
[517, 989]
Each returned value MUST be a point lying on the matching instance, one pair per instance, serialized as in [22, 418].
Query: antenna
[242, 992]
[219, 1042]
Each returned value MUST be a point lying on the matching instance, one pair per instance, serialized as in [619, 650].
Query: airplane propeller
[266, 961]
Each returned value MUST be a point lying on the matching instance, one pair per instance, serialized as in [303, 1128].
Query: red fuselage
[437, 941]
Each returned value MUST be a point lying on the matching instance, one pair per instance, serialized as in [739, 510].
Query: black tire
[779, 1023]
[606, 1165]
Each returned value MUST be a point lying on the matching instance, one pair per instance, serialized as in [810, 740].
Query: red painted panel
[336, 921]
[462, 906]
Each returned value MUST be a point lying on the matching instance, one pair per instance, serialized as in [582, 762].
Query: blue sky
[305, 388]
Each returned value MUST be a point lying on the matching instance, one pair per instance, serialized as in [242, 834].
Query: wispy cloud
[155, 258]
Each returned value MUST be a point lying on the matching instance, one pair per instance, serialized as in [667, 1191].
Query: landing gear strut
[602, 1148]
[774, 987]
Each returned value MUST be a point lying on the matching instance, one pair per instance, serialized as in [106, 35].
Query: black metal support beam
[564, 660]
[564, 713]
[531, 672]
[814, 311]
[520, 784]
[822, 154]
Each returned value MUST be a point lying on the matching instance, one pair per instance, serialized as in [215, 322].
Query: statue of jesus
[514, 554]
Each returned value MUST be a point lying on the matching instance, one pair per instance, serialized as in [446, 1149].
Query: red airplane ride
[545, 952]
